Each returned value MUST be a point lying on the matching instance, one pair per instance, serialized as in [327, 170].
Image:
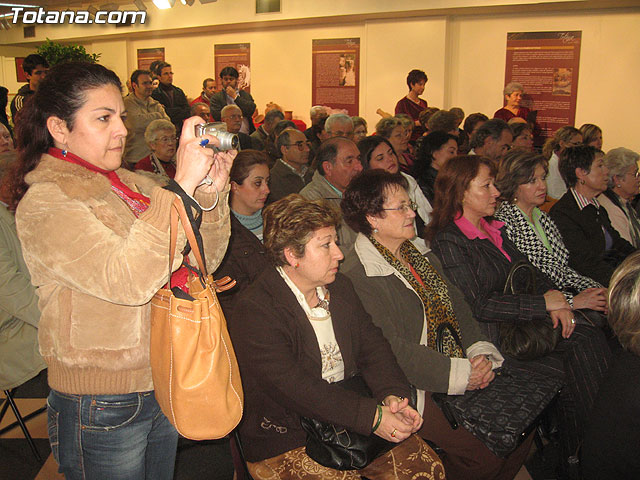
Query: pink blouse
[492, 230]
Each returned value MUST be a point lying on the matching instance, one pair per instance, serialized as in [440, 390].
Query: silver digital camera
[228, 141]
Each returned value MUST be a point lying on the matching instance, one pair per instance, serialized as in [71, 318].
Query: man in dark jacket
[35, 68]
[173, 98]
[231, 95]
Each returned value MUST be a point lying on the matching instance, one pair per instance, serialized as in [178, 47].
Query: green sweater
[19, 315]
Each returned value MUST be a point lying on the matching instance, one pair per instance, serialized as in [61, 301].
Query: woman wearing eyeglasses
[410, 299]
[377, 152]
[160, 135]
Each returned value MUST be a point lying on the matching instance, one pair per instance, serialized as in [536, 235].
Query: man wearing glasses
[291, 171]
[232, 116]
[492, 140]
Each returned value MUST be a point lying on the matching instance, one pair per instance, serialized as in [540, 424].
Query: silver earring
[618, 185]
[375, 230]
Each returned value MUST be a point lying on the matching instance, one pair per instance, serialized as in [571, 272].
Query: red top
[413, 110]
[147, 165]
[507, 115]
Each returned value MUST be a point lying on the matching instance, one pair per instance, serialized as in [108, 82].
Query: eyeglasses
[235, 116]
[167, 140]
[299, 144]
[404, 208]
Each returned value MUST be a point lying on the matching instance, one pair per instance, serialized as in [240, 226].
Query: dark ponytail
[61, 94]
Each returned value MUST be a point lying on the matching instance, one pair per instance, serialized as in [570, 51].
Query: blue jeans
[111, 437]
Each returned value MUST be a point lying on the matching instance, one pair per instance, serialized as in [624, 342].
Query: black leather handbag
[336, 447]
[505, 412]
[526, 340]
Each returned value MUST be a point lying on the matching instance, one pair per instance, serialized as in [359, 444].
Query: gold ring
[393, 434]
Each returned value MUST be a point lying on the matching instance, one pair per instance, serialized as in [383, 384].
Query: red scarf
[137, 202]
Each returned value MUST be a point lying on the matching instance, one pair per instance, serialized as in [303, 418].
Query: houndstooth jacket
[554, 263]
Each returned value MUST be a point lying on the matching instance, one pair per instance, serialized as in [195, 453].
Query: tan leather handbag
[195, 371]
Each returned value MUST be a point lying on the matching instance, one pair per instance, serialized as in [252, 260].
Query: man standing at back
[338, 161]
[208, 90]
[141, 111]
[173, 98]
[35, 68]
[231, 95]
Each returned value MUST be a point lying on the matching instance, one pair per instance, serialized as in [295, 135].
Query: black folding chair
[9, 401]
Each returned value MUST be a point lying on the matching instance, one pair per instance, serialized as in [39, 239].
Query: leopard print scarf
[434, 295]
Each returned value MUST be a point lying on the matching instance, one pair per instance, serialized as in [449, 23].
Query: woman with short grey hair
[160, 135]
[623, 186]
[513, 93]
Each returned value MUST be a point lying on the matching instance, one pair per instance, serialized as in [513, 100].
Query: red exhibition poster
[336, 74]
[546, 64]
[238, 56]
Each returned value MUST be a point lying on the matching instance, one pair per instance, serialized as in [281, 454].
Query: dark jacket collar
[277, 294]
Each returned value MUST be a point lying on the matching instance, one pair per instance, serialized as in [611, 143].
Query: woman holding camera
[297, 330]
[95, 238]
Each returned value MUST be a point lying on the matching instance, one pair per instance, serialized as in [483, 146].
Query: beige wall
[463, 55]
[235, 13]
[609, 67]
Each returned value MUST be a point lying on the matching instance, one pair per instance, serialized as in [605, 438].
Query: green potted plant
[56, 52]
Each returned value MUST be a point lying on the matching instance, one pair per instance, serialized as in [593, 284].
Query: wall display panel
[20, 75]
[238, 56]
[336, 74]
[146, 56]
[547, 65]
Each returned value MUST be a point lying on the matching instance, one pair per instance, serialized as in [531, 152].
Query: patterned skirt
[409, 460]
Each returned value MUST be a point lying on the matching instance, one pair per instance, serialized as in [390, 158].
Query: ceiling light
[140, 5]
[17, 5]
[188, 2]
[164, 4]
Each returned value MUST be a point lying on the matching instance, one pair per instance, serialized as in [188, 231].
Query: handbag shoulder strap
[509, 287]
[178, 213]
[440, 331]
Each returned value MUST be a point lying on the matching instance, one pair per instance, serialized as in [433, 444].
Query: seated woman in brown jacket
[408, 296]
[297, 330]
